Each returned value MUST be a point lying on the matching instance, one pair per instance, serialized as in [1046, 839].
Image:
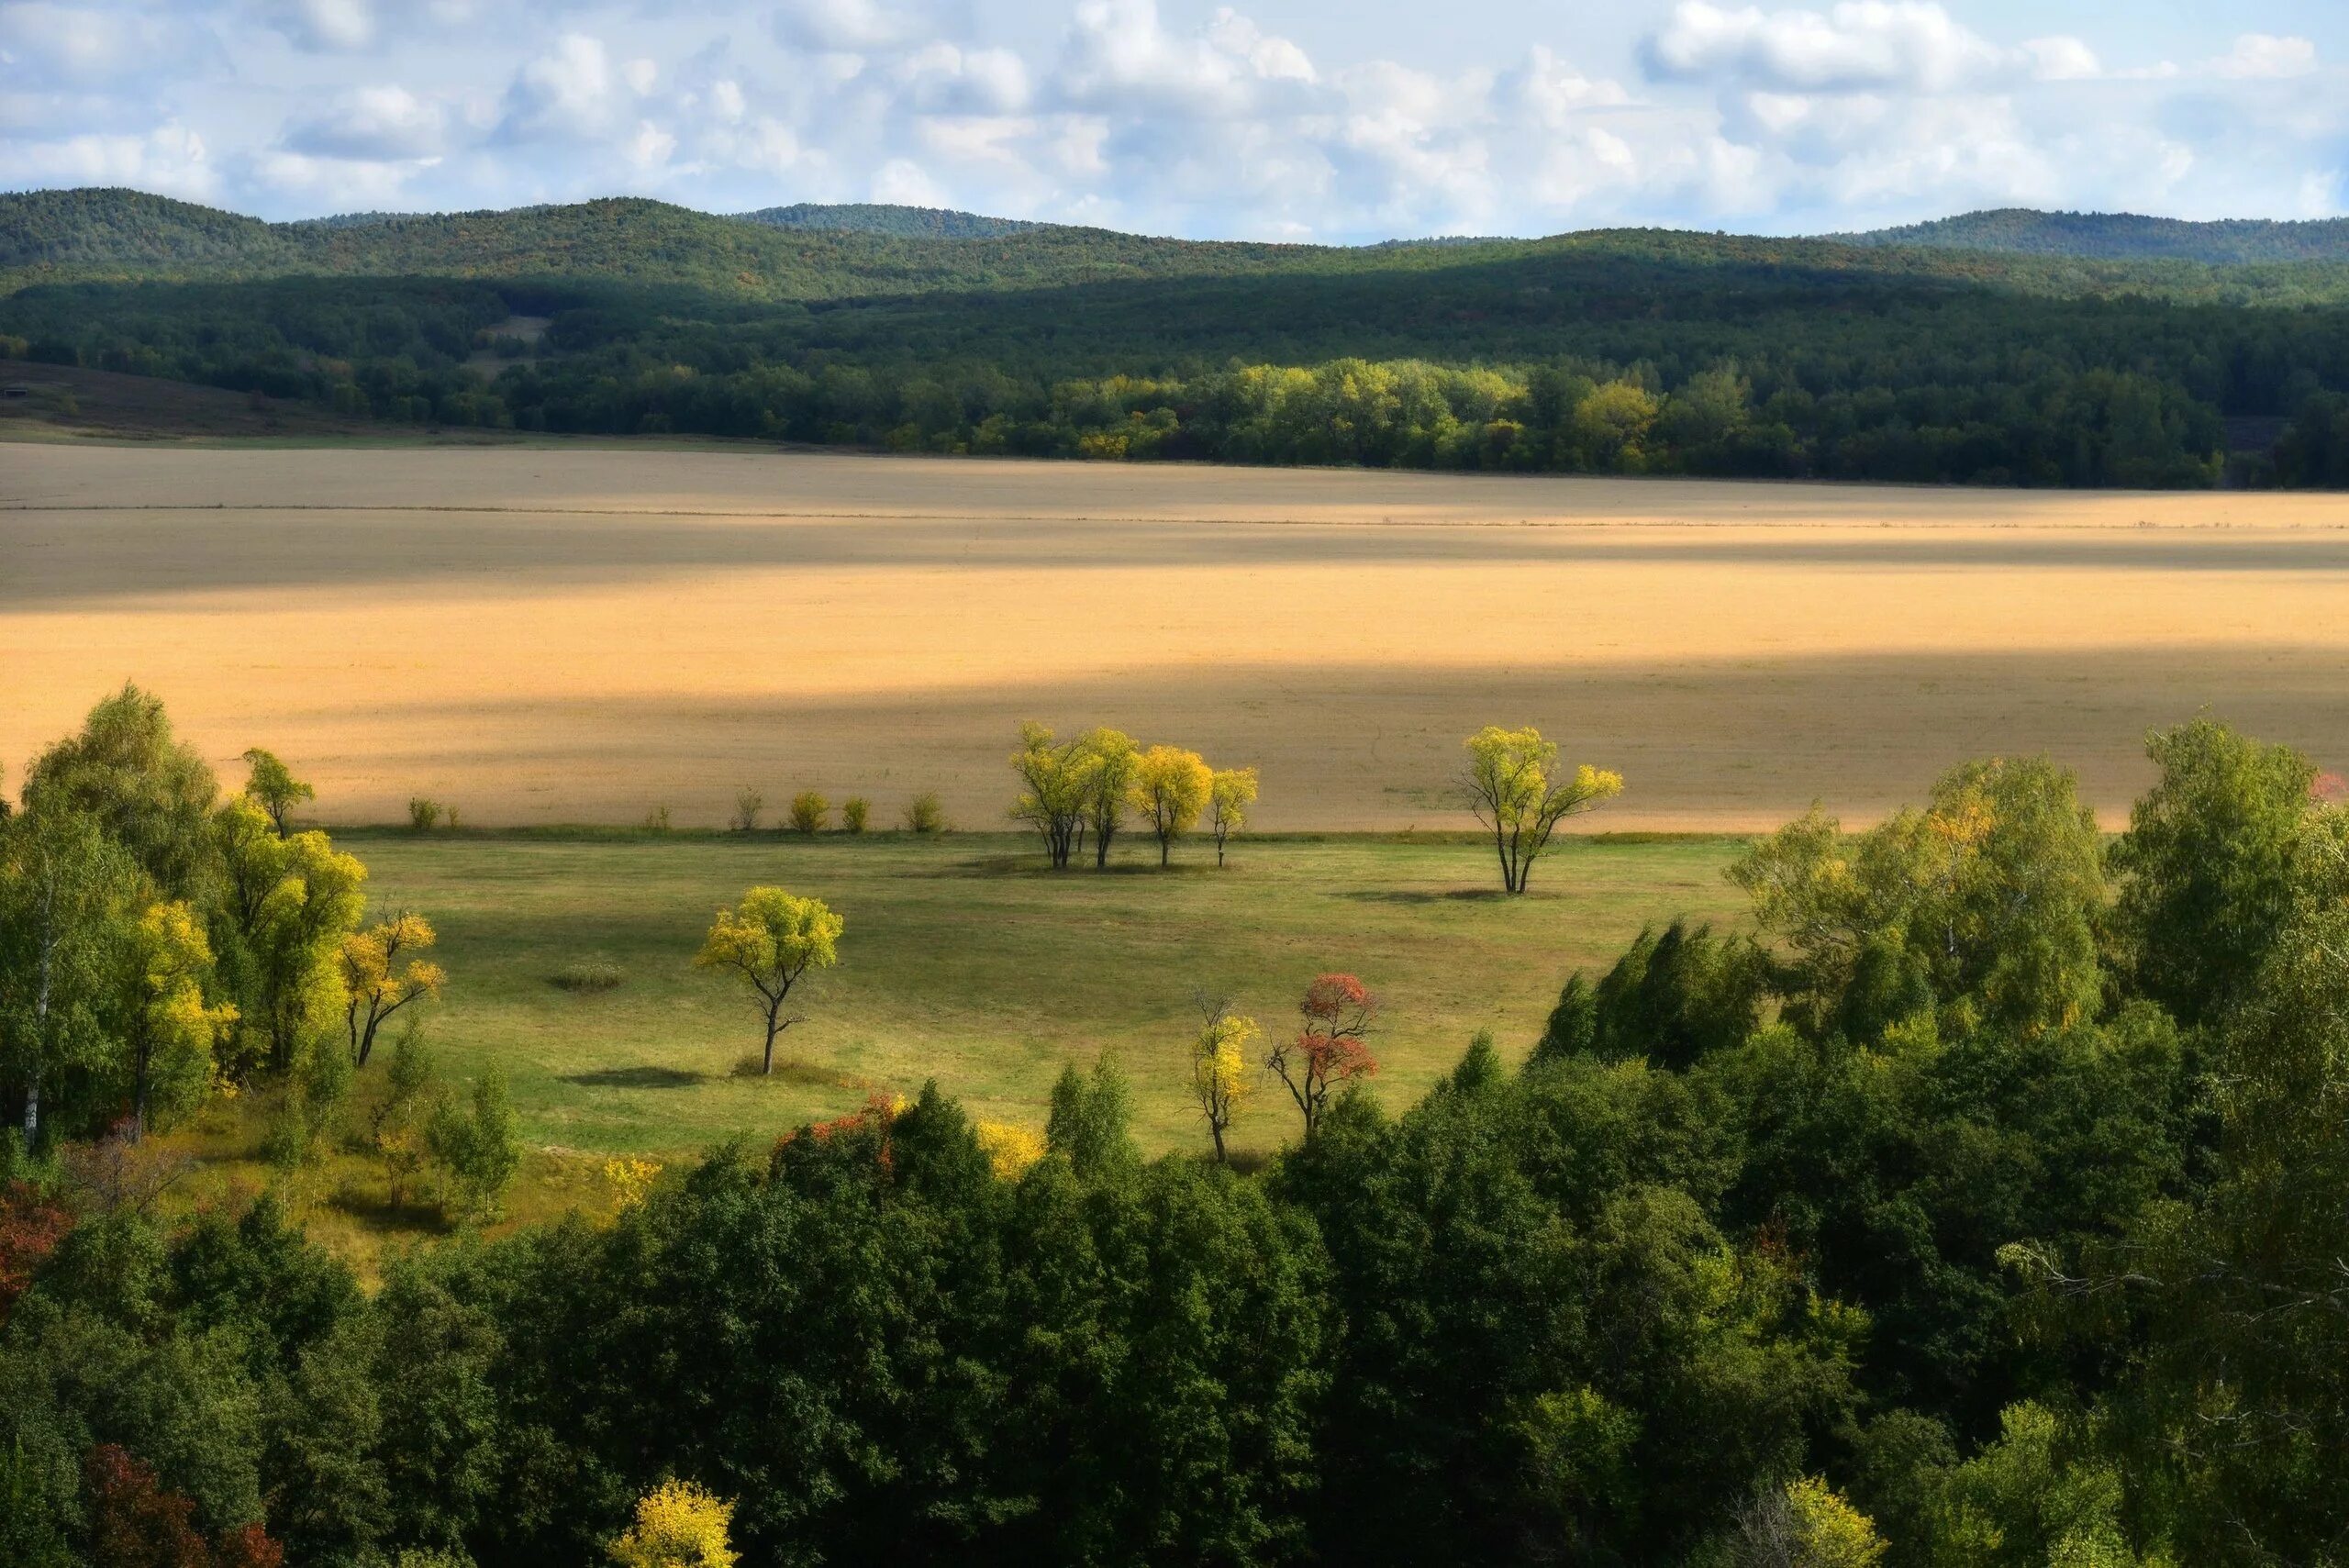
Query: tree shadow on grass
[636, 1078]
[1417, 896]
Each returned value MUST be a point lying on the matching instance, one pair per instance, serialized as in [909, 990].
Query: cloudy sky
[1264, 118]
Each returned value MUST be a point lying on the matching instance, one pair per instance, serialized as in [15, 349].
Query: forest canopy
[1628, 352]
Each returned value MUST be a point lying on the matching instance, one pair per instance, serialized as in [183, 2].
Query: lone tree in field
[770, 940]
[1055, 778]
[1231, 792]
[273, 788]
[1222, 1076]
[1510, 787]
[1113, 762]
[1170, 789]
[1339, 1012]
[376, 993]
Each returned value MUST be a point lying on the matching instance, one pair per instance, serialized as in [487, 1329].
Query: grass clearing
[963, 959]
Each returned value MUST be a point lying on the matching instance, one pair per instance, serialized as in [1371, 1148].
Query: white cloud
[1120, 56]
[1858, 45]
[171, 160]
[842, 26]
[104, 47]
[2262, 57]
[1776, 114]
[373, 123]
[2063, 60]
[940, 78]
[568, 91]
[338, 185]
[325, 24]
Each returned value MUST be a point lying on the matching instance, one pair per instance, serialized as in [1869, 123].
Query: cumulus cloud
[2262, 57]
[101, 46]
[1860, 44]
[843, 27]
[2063, 60]
[385, 123]
[1776, 114]
[572, 90]
[170, 160]
[1119, 55]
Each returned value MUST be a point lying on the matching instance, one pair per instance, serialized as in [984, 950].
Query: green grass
[965, 962]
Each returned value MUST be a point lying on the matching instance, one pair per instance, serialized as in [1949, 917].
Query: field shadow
[645, 1077]
[1416, 897]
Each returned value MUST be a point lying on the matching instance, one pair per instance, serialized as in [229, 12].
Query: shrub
[656, 819]
[808, 811]
[423, 814]
[854, 812]
[589, 976]
[925, 815]
[748, 803]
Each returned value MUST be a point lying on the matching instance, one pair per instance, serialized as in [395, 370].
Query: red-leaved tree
[134, 1522]
[30, 1228]
[1339, 1011]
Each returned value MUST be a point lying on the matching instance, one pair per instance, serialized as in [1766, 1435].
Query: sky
[1271, 119]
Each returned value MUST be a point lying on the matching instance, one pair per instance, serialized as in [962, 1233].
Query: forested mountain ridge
[2121, 236]
[906, 222]
[1628, 352]
[840, 252]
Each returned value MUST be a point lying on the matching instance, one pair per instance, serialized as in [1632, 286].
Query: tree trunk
[1215, 1128]
[1164, 844]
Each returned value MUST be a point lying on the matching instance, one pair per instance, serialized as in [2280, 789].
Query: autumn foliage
[1339, 1012]
[30, 1228]
[134, 1522]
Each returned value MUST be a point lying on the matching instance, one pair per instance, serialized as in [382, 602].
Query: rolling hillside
[2121, 236]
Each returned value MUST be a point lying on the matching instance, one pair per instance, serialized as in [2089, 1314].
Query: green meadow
[965, 960]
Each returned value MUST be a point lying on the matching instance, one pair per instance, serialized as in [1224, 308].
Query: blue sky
[1260, 118]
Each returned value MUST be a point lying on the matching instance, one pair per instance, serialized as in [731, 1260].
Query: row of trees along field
[1980, 1206]
[1091, 787]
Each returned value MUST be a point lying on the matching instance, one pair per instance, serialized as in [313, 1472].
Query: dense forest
[2125, 237]
[1982, 1207]
[1630, 352]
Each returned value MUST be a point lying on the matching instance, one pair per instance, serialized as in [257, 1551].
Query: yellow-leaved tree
[1055, 781]
[174, 1029]
[1170, 789]
[1828, 1532]
[294, 900]
[1231, 792]
[1010, 1150]
[1511, 788]
[1223, 1069]
[378, 984]
[770, 941]
[678, 1524]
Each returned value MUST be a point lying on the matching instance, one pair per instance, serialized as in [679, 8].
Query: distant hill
[123, 235]
[902, 222]
[2121, 236]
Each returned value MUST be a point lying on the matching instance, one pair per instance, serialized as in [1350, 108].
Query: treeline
[1582, 361]
[1982, 1209]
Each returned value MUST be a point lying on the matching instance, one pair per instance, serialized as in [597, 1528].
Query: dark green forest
[1982, 1207]
[1628, 352]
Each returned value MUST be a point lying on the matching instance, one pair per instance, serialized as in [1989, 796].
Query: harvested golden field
[557, 633]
